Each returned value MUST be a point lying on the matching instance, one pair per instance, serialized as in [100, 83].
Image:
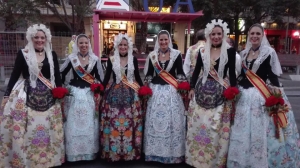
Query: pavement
[292, 90]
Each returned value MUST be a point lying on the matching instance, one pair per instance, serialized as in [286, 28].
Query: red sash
[279, 116]
[164, 74]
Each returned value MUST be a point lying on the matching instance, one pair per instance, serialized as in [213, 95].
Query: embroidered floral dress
[82, 119]
[31, 131]
[209, 118]
[121, 116]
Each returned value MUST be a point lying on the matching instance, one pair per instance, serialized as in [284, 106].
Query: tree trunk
[236, 31]
[144, 32]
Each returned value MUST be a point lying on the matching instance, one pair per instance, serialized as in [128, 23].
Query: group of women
[36, 132]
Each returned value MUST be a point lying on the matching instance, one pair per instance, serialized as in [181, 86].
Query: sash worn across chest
[40, 75]
[261, 86]
[162, 73]
[134, 85]
[83, 74]
[214, 74]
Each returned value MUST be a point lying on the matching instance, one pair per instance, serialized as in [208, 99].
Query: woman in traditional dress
[121, 115]
[31, 130]
[164, 139]
[253, 141]
[81, 127]
[208, 117]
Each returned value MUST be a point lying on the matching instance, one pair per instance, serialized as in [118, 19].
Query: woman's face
[255, 35]
[123, 47]
[216, 36]
[83, 44]
[39, 40]
[163, 41]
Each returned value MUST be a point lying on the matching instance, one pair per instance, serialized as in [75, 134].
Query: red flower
[184, 86]
[145, 91]
[230, 93]
[59, 92]
[272, 101]
[97, 87]
[281, 101]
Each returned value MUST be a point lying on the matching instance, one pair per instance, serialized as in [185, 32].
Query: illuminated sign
[178, 2]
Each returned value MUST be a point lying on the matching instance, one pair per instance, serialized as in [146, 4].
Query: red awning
[140, 16]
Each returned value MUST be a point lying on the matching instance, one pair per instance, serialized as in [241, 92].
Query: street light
[296, 34]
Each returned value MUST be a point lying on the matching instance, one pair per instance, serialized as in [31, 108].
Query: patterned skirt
[253, 142]
[208, 128]
[165, 126]
[121, 124]
[81, 126]
[30, 138]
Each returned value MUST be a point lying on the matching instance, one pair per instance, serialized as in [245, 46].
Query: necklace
[254, 50]
[125, 55]
[163, 63]
[83, 56]
[164, 52]
[40, 52]
[217, 46]
[212, 64]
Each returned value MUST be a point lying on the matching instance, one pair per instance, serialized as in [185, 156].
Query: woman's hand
[4, 101]
[191, 94]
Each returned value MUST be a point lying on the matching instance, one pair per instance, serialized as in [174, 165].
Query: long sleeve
[58, 82]
[231, 60]
[187, 63]
[65, 71]
[199, 65]
[136, 72]
[96, 71]
[19, 62]
[179, 65]
[150, 69]
[108, 73]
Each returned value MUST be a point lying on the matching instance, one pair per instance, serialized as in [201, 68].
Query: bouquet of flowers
[60, 92]
[144, 93]
[183, 89]
[277, 108]
[232, 94]
[97, 88]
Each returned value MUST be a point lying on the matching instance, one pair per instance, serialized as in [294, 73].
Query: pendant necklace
[254, 50]
[164, 52]
[83, 56]
[40, 52]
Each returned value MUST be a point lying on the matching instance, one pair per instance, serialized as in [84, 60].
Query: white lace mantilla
[264, 52]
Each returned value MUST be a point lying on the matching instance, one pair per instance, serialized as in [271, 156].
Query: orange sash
[260, 85]
[164, 74]
[45, 81]
[134, 85]
[84, 75]
[213, 73]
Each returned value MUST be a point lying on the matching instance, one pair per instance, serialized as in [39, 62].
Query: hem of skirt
[109, 159]
[74, 158]
[166, 160]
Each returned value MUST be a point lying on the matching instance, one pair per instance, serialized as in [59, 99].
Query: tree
[74, 18]
[18, 13]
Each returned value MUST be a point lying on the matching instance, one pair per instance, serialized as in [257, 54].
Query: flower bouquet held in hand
[97, 88]
[144, 93]
[232, 94]
[183, 89]
[277, 108]
[60, 93]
